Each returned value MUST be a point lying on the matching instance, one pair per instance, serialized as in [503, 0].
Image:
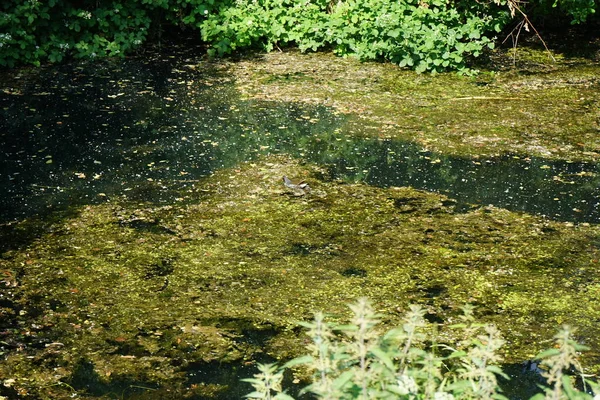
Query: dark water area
[147, 130]
[560, 190]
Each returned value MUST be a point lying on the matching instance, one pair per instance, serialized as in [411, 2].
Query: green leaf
[255, 395]
[459, 386]
[457, 354]
[407, 61]
[474, 34]
[568, 387]
[251, 380]
[394, 33]
[394, 334]
[547, 353]
[342, 380]
[299, 361]
[579, 347]
[498, 371]
[397, 390]
[346, 328]
[384, 358]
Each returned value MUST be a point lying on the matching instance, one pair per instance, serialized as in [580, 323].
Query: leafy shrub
[432, 35]
[577, 11]
[265, 24]
[35, 31]
[428, 36]
[356, 361]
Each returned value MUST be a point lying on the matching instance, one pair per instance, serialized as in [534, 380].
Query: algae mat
[141, 296]
[151, 250]
[543, 109]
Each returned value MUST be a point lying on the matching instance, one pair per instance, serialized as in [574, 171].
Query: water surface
[138, 130]
[149, 132]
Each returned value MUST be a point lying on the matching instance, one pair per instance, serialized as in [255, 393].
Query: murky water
[148, 131]
[87, 134]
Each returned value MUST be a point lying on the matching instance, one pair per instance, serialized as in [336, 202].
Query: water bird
[299, 189]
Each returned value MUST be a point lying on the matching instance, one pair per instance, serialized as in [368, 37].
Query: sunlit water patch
[86, 134]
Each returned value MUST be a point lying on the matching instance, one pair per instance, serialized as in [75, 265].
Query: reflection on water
[78, 135]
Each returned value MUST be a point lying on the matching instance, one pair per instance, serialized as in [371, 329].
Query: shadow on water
[85, 378]
[141, 132]
[557, 189]
[225, 384]
[147, 132]
[217, 380]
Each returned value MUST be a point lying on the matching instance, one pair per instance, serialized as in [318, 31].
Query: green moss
[144, 293]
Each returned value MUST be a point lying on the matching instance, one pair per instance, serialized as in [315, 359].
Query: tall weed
[358, 361]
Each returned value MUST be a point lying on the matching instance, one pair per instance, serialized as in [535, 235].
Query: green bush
[577, 11]
[36, 31]
[425, 35]
[356, 361]
[432, 35]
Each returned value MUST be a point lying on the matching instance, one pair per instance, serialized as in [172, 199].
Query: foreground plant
[557, 362]
[356, 361]
[267, 384]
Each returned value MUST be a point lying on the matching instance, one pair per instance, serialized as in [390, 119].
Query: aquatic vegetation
[170, 122]
[150, 248]
[552, 114]
[133, 294]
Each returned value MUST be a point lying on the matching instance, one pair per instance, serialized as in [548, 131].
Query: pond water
[78, 135]
[148, 131]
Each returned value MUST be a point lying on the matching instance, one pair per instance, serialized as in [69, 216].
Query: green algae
[126, 295]
[131, 299]
[551, 112]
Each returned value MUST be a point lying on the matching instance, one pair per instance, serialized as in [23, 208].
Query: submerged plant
[355, 361]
